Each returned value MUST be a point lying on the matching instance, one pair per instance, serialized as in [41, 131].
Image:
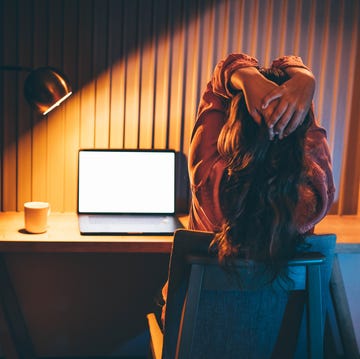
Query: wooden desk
[346, 228]
[63, 236]
[86, 295]
[76, 295]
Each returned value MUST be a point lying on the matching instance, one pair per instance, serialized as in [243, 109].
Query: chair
[210, 314]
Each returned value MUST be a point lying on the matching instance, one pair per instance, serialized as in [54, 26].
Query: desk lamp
[44, 88]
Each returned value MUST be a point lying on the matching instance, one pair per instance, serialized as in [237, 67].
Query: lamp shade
[45, 88]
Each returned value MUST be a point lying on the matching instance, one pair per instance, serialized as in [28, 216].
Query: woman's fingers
[277, 115]
[288, 123]
[283, 122]
[275, 94]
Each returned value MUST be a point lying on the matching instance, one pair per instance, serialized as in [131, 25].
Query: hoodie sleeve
[289, 61]
[212, 115]
[316, 190]
[205, 164]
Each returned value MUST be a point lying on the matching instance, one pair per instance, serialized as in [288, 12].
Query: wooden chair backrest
[213, 314]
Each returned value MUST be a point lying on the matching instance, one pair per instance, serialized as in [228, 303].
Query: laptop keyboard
[113, 219]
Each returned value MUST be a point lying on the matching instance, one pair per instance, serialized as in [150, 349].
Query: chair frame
[190, 261]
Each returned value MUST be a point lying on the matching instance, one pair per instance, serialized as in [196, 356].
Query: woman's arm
[316, 189]
[204, 161]
[255, 87]
[283, 107]
[211, 116]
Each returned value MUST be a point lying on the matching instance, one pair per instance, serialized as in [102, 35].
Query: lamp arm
[16, 68]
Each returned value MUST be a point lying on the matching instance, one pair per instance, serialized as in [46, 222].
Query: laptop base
[122, 224]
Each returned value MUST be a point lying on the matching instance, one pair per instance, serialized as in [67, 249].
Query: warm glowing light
[57, 103]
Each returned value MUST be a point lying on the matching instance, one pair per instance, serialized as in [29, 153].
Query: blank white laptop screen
[127, 192]
[125, 181]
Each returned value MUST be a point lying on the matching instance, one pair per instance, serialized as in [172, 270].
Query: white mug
[36, 215]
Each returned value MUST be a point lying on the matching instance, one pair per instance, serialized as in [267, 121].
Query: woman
[259, 164]
[246, 122]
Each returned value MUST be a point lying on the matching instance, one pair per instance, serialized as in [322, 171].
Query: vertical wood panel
[207, 47]
[102, 83]
[191, 67]
[323, 16]
[56, 120]
[349, 188]
[337, 127]
[268, 29]
[117, 88]
[282, 27]
[161, 74]
[332, 93]
[236, 25]
[221, 28]
[310, 38]
[252, 30]
[176, 77]
[39, 130]
[304, 25]
[132, 76]
[71, 107]
[9, 165]
[148, 63]
[24, 166]
[298, 27]
[138, 68]
[85, 73]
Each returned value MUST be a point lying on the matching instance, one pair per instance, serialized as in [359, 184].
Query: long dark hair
[259, 189]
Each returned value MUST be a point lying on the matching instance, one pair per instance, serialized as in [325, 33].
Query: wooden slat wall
[138, 68]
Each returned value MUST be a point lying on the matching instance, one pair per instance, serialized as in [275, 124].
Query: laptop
[127, 192]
